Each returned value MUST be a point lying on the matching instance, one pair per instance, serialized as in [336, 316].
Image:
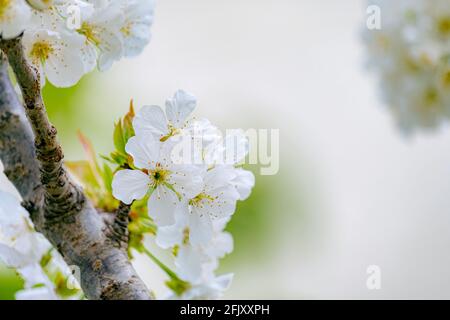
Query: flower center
[443, 26]
[126, 30]
[197, 201]
[90, 32]
[446, 79]
[430, 101]
[172, 131]
[159, 175]
[41, 51]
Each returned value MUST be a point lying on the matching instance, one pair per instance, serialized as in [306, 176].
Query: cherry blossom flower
[101, 29]
[167, 181]
[57, 56]
[14, 17]
[136, 26]
[152, 120]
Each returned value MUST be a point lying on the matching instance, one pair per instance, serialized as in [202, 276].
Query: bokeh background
[351, 191]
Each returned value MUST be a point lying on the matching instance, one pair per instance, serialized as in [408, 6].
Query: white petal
[180, 107]
[41, 293]
[218, 177]
[223, 282]
[201, 228]
[244, 182]
[189, 262]
[14, 19]
[106, 22]
[11, 257]
[144, 150]
[162, 205]
[151, 120]
[186, 179]
[170, 236]
[129, 185]
[221, 245]
[236, 146]
[66, 68]
[138, 20]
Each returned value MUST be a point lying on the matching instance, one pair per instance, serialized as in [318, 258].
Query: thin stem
[160, 264]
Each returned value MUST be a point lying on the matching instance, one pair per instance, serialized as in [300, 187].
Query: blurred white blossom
[410, 54]
[44, 272]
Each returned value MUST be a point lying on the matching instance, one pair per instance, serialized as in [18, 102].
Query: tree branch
[61, 196]
[16, 138]
[119, 227]
[57, 206]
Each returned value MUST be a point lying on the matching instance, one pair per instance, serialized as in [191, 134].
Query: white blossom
[57, 55]
[20, 245]
[167, 181]
[23, 249]
[207, 290]
[136, 25]
[14, 17]
[410, 53]
[151, 120]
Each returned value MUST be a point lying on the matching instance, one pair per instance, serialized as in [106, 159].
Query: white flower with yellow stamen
[14, 18]
[151, 120]
[168, 182]
[58, 56]
[136, 26]
[101, 30]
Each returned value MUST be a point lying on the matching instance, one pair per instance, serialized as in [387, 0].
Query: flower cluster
[45, 274]
[411, 53]
[66, 39]
[189, 172]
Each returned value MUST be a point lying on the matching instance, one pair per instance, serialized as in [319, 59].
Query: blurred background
[351, 191]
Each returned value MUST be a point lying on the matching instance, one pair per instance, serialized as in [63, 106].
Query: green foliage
[123, 131]
[10, 283]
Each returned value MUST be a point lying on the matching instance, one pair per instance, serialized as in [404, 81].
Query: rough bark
[33, 161]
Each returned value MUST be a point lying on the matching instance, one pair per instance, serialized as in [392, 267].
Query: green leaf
[119, 158]
[107, 176]
[119, 142]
